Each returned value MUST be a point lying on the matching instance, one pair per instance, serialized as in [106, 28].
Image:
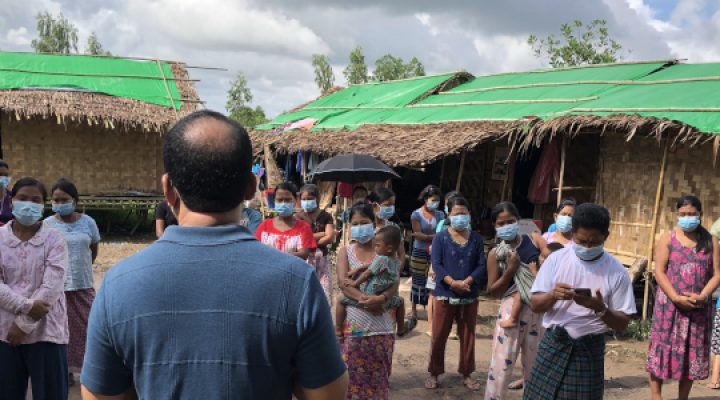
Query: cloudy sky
[272, 41]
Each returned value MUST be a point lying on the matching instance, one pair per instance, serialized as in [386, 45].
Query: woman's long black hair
[704, 240]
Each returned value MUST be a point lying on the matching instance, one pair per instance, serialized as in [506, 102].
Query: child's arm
[357, 271]
[364, 277]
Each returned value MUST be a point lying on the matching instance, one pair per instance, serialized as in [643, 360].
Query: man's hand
[563, 291]
[595, 304]
[15, 335]
[39, 310]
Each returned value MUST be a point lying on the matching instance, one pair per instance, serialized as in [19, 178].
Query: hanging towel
[299, 163]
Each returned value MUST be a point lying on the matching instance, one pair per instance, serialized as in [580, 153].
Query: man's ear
[251, 187]
[169, 191]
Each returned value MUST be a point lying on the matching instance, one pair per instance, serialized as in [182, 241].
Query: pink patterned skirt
[369, 363]
[79, 303]
[321, 263]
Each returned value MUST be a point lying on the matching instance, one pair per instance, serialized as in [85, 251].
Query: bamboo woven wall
[689, 171]
[627, 185]
[98, 160]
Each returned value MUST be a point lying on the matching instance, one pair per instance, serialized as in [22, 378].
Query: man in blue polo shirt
[207, 312]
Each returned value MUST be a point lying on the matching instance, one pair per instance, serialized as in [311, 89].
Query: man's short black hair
[210, 172]
[591, 216]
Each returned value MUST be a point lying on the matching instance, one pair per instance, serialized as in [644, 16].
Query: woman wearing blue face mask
[687, 271]
[33, 318]
[323, 227]
[458, 260]
[515, 251]
[5, 194]
[424, 223]
[368, 337]
[285, 232]
[563, 224]
[83, 237]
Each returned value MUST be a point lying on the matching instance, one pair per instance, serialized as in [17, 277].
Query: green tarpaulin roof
[138, 80]
[684, 92]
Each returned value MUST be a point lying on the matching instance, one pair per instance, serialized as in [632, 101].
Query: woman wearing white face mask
[323, 227]
[563, 224]
[687, 271]
[424, 223]
[523, 252]
[5, 194]
[33, 320]
[368, 337]
[83, 237]
[285, 232]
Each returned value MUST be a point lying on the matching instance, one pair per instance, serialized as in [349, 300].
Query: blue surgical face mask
[308, 205]
[588, 253]
[460, 222]
[284, 209]
[26, 212]
[386, 212]
[433, 205]
[4, 182]
[63, 209]
[689, 224]
[564, 223]
[362, 233]
[508, 232]
[447, 212]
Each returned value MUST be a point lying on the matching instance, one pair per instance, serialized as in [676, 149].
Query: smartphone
[582, 292]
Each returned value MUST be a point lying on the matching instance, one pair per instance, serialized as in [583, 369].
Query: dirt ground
[624, 367]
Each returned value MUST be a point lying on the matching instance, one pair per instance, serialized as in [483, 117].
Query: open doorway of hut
[524, 170]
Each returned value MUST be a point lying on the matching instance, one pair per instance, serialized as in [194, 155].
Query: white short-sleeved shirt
[606, 274]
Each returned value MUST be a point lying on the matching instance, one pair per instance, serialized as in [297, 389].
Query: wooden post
[653, 229]
[442, 172]
[462, 169]
[563, 152]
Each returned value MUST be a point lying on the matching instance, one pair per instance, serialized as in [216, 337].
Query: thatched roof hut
[96, 120]
[634, 137]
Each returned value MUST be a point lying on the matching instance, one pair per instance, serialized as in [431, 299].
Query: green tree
[55, 35]
[94, 47]
[579, 44]
[324, 77]
[357, 71]
[237, 105]
[389, 68]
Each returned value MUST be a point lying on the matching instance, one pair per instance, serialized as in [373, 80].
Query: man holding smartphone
[583, 292]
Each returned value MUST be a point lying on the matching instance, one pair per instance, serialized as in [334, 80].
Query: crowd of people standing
[225, 336]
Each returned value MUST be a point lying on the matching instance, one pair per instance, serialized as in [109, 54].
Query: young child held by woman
[383, 273]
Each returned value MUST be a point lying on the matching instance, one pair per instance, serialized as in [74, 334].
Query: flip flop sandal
[471, 384]
[410, 324]
[431, 383]
[713, 386]
[517, 385]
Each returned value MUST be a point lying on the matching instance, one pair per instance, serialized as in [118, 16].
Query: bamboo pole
[653, 229]
[563, 153]
[28, 71]
[462, 170]
[167, 90]
[482, 103]
[442, 172]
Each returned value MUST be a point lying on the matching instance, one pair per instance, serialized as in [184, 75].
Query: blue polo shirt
[210, 313]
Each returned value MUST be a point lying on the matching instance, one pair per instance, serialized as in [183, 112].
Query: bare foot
[471, 384]
[508, 323]
[431, 383]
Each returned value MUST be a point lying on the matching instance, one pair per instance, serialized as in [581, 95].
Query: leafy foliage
[94, 47]
[579, 44]
[357, 71]
[239, 97]
[389, 68]
[324, 77]
[55, 35]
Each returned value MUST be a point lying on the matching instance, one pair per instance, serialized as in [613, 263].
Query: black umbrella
[353, 168]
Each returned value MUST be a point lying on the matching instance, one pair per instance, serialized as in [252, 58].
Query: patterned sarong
[567, 368]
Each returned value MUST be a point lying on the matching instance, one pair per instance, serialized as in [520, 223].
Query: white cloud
[425, 20]
[19, 36]
[504, 53]
[226, 26]
[648, 14]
